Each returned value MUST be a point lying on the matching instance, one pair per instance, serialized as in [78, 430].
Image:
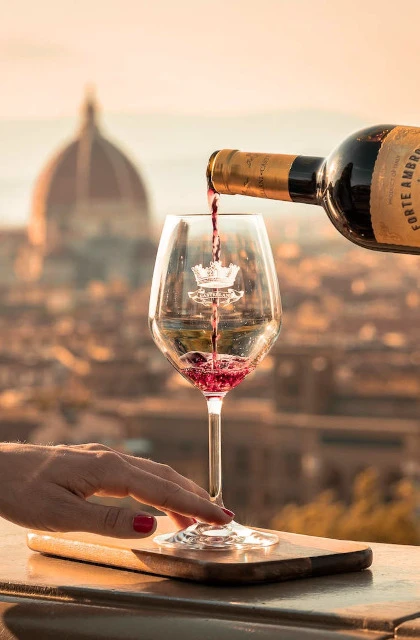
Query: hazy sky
[339, 64]
[218, 56]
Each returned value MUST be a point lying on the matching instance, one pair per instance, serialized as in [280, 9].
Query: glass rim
[221, 215]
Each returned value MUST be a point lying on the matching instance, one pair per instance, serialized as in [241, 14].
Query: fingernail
[228, 512]
[143, 524]
[194, 520]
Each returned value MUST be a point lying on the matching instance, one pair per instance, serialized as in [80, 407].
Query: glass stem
[214, 406]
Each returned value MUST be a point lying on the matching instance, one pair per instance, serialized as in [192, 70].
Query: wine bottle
[369, 185]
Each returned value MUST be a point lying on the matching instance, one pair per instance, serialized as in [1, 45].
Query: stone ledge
[371, 604]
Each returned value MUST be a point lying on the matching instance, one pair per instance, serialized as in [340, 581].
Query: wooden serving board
[295, 556]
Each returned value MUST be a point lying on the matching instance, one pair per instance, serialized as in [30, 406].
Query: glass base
[208, 537]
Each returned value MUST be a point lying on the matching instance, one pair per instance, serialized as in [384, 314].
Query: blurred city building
[340, 391]
[90, 216]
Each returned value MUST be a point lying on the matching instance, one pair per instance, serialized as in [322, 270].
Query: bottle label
[395, 192]
[262, 175]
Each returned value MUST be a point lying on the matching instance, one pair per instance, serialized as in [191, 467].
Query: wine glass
[214, 322]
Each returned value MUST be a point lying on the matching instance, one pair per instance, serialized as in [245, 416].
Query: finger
[167, 473]
[78, 515]
[182, 522]
[169, 496]
[111, 474]
[162, 470]
[90, 446]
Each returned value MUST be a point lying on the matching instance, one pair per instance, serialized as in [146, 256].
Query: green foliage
[369, 517]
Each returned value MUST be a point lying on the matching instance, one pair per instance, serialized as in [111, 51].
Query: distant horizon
[170, 151]
[72, 115]
[175, 81]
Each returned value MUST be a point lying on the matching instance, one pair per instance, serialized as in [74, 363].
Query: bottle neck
[304, 179]
[269, 175]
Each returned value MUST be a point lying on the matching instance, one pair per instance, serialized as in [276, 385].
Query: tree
[368, 517]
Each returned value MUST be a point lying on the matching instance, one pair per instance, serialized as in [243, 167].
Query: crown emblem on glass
[215, 276]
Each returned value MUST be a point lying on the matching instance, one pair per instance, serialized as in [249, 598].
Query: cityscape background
[100, 142]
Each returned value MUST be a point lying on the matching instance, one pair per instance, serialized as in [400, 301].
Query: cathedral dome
[90, 179]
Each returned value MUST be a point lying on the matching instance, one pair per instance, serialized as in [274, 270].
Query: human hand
[46, 488]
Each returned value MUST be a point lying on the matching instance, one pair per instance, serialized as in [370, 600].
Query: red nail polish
[143, 524]
[228, 512]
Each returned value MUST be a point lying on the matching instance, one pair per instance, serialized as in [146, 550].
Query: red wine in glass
[218, 375]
